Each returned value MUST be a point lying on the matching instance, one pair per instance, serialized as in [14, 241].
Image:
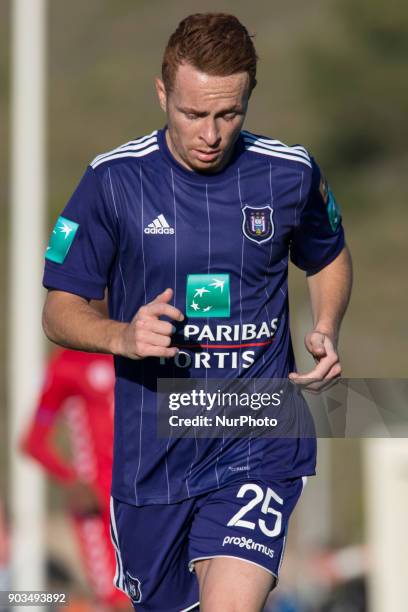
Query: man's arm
[69, 320]
[329, 291]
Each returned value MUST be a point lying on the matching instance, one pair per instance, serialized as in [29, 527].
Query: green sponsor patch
[208, 295]
[61, 239]
[333, 211]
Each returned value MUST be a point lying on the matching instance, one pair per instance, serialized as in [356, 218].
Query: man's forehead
[193, 83]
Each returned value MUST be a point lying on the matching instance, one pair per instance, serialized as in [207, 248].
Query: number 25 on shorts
[266, 509]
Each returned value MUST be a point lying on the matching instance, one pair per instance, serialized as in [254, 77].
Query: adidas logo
[159, 226]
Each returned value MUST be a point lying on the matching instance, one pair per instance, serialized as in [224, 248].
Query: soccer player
[78, 388]
[190, 229]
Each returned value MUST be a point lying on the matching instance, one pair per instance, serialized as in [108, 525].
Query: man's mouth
[206, 155]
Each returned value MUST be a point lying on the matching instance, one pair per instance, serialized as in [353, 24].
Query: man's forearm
[72, 322]
[330, 294]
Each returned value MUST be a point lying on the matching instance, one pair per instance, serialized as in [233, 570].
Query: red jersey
[78, 386]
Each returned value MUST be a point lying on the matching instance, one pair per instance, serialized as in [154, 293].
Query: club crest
[257, 223]
[133, 588]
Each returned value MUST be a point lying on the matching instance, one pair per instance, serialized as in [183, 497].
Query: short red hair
[214, 43]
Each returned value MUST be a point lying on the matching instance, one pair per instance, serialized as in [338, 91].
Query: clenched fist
[146, 335]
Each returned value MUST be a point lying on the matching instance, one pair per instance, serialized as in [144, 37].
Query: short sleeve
[83, 243]
[318, 237]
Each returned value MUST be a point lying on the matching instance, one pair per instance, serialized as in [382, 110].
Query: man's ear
[161, 93]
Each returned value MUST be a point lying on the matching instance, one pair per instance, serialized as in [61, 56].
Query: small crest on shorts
[257, 223]
[133, 588]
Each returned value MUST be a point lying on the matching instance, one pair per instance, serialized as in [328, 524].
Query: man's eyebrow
[193, 111]
[231, 109]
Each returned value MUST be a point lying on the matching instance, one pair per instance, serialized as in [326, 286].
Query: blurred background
[332, 77]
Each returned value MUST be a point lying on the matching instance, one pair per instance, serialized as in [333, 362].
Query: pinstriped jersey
[140, 222]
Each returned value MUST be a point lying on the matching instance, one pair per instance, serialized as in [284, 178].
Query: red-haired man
[191, 228]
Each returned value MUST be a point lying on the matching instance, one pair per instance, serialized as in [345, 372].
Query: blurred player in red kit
[79, 386]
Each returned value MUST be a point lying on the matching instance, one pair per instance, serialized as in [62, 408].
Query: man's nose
[210, 132]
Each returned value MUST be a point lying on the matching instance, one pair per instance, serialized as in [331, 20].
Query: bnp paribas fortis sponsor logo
[61, 239]
[208, 295]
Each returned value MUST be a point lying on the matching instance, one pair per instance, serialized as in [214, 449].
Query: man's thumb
[315, 343]
[165, 296]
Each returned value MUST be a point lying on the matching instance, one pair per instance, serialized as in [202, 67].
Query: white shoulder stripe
[277, 143]
[154, 147]
[283, 149]
[278, 147]
[129, 147]
[131, 142]
[143, 139]
[276, 153]
[138, 143]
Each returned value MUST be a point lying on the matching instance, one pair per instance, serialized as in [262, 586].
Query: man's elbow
[343, 261]
[47, 323]
[60, 316]
[347, 263]
[54, 313]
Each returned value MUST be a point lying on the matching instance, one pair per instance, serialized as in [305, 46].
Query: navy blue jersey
[140, 222]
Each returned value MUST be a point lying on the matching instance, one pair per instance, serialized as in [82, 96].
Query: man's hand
[69, 320]
[328, 368]
[329, 293]
[146, 335]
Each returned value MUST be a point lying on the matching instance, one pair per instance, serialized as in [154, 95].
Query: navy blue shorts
[157, 545]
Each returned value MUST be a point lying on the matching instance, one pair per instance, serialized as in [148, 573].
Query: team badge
[257, 223]
[208, 295]
[333, 210]
[133, 588]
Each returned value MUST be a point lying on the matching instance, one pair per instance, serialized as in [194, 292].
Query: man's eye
[230, 116]
[191, 116]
